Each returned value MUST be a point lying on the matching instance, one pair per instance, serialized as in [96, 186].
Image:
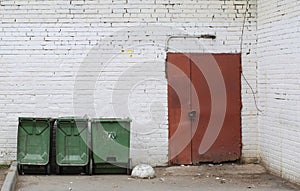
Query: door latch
[192, 115]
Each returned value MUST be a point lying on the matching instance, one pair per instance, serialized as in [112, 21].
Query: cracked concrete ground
[231, 177]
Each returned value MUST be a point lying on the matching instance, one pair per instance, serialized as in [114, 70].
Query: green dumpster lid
[111, 120]
[35, 118]
[71, 119]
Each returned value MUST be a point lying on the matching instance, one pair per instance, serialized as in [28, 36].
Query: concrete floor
[3, 172]
[204, 177]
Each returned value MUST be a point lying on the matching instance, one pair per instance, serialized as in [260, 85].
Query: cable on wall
[241, 48]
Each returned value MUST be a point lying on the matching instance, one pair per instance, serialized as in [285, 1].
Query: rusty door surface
[204, 100]
[179, 107]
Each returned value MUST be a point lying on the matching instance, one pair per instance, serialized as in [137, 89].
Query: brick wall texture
[278, 54]
[107, 58]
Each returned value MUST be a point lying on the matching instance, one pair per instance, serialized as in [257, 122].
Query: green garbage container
[33, 145]
[111, 145]
[72, 151]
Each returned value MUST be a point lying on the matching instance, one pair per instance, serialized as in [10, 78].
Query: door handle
[192, 115]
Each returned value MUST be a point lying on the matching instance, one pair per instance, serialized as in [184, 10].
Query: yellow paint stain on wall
[128, 51]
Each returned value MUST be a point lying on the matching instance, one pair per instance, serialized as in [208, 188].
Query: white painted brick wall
[113, 53]
[279, 87]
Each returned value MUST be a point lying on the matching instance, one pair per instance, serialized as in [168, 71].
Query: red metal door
[208, 105]
[179, 68]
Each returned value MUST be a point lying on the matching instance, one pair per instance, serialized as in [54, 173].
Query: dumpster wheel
[48, 169]
[20, 169]
[91, 167]
[58, 170]
[87, 169]
[129, 166]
